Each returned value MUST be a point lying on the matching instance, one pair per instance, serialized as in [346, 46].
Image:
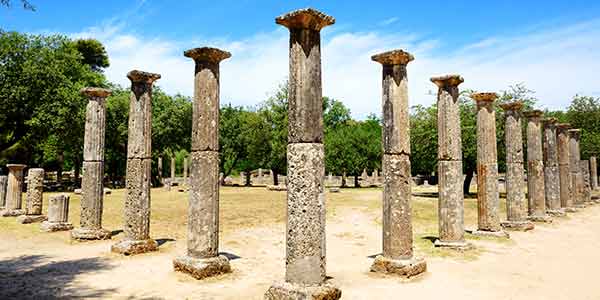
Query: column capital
[512, 106]
[550, 121]
[575, 133]
[484, 98]
[141, 76]
[207, 54]
[451, 80]
[306, 18]
[536, 113]
[93, 92]
[564, 126]
[16, 167]
[393, 57]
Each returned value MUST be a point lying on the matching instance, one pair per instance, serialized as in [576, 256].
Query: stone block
[458, 245]
[289, 291]
[489, 233]
[201, 268]
[517, 225]
[88, 234]
[28, 219]
[131, 247]
[55, 226]
[402, 267]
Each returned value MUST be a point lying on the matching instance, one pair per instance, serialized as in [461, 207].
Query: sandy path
[557, 261]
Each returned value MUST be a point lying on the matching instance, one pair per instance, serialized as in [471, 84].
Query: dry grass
[255, 207]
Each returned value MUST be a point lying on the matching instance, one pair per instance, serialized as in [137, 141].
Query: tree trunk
[275, 179]
[248, 175]
[467, 182]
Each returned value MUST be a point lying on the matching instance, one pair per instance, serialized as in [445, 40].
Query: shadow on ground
[38, 277]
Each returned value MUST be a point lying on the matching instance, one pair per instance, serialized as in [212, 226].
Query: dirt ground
[554, 261]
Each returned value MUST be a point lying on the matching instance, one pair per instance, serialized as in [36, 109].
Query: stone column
[305, 274]
[14, 191]
[3, 183]
[551, 172]
[160, 169]
[577, 184]
[185, 168]
[516, 203]
[535, 168]
[58, 214]
[92, 185]
[34, 198]
[450, 183]
[139, 159]
[203, 259]
[488, 198]
[566, 194]
[397, 255]
[594, 173]
[587, 184]
[172, 181]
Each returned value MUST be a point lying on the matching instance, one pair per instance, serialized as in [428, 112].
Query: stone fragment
[13, 206]
[201, 268]
[58, 214]
[285, 290]
[3, 184]
[404, 267]
[34, 198]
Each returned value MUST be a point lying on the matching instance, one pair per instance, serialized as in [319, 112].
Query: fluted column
[488, 198]
[566, 190]
[450, 184]
[14, 191]
[516, 203]
[551, 172]
[577, 183]
[594, 173]
[305, 235]
[139, 159]
[34, 197]
[535, 168]
[203, 259]
[58, 214]
[3, 184]
[587, 184]
[397, 255]
[92, 186]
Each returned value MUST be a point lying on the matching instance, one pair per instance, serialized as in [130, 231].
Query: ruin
[14, 191]
[305, 274]
[594, 173]
[587, 184]
[203, 259]
[488, 197]
[92, 185]
[577, 183]
[563, 141]
[58, 214]
[34, 199]
[516, 203]
[3, 183]
[139, 159]
[535, 168]
[551, 172]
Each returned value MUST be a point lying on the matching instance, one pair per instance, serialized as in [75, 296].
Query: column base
[458, 245]
[12, 212]
[55, 226]
[556, 212]
[403, 267]
[489, 233]
[200, 268]
[571, 209]
[89, 234]
[291, 291]
[579, 206]
[131, 247]
[517, 225]
[540, 219]
[28, 219]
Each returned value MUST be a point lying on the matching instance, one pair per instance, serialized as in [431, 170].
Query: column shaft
[93, 195]
[3, 184]
[566, 199]
[15, 187]
[35, 191]
[535, 165]
[551, 168]
[594, 172]
[516, 204]
[577, 184]
[58, 209]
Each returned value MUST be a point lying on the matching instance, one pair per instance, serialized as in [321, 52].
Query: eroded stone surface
[577, 181]
[594, 172]
[289, 291]
[448, 116]
[397, 225]
[451, 207]
[92, 199]
[201, 268]
[54, 226]
[3, 184]
[132, 247]
[35, 192]
[535, 165]
[85, 234]
[491, 233]
[14, 190]
[402, 267]
[566, 199]
[551, 166]
[517, 225]
[58, 214]
[137, 202]
[140, 114]
[307, 18]
[587, 184]
[458, 246]
[28, 219]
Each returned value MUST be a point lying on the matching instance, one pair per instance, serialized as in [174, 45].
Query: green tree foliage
[93, 54]
[584, 113]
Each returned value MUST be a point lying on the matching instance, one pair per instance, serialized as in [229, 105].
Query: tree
[94, 54]
[584, 113]
[274, 111]
[26, 5]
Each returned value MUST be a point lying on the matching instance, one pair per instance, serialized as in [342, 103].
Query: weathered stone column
[34, 198]
[488, 198]
[577, 184]
[587, 184]
[535, 168]
[92, 185]
[172, 180]
[185, 168]
[551, 172]
[3, 183]
[14, 191]
[58, 214]
[139, 159]
[397, 255]
[594, 172]
[203, 259]
[516, 203]
[566, 194]
[450, 183]
[305, 235]
[160, 170]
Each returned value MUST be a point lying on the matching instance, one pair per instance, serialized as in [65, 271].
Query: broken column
[305, 276]
[58, 214]
[488, 198]
[516, 203]
[3, 183]
[92, 185]
[34, 197]
[139, 159]
[594, 173]
[535, 168]
[14, 189]
[450, 182]
[564, 172]
[397, 255]
[551, 172]
[577, 184]
[587, 184]
[203, 259]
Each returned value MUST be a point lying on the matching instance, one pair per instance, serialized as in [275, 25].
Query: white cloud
[556, 62]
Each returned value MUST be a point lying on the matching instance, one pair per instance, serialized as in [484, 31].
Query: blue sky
[551, 46]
